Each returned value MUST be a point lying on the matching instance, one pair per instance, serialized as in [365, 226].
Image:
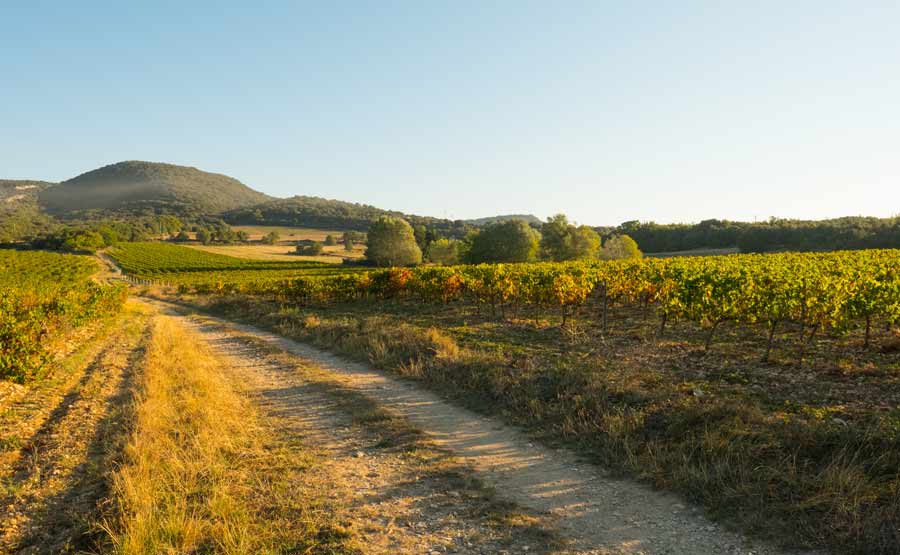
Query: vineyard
[819, 293]
[178, 265]
[43, 296]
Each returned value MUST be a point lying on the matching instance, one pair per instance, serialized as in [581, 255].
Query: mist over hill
[136, 187]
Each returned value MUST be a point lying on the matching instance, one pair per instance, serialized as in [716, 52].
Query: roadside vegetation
[762, 387]
[44, 297]
[203, 473]
[804, 455]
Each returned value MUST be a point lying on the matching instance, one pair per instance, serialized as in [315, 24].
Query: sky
[606, 111]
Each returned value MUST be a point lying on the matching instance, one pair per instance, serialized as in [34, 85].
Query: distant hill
[530, 218]
[135, 188]
[13, 190]
[315, 212]
[20, 215]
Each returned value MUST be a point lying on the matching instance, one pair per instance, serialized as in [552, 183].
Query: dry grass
[201, 473]
[807, 455]
[288, 233]
[282, 251]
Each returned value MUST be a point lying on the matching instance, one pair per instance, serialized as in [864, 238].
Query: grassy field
[229, 490]
[177, 264]
[288, 233]
[282, 251]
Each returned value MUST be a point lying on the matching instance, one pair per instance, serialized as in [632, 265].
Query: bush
[509, 241]
[310, 249]
[392, 242]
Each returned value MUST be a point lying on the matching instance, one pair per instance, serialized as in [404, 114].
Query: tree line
[393, 241]
[851, 233]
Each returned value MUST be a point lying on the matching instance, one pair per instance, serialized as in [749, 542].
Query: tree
[348, 243]
[421, 233]
[311, 248]
[330, 241]
[444, 251]
[584, 243]
[243, 236]
[271, 238]
[204, 236]
[182, 237]
[509, 241]
[620, 247]
[561, 240]
[392, 242]
[554, 238]
[84, 241]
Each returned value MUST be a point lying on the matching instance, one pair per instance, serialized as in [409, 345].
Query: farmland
[256, 232]
[186, 266]
[284, 252]
[43, 298]
[765, 388]
[690, 373]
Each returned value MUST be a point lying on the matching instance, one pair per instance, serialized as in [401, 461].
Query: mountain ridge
[137, 186]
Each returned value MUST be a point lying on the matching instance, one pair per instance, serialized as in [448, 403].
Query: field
[43, 298]
[283, 252]
[288, 233]
[182, 265]
[694, 374]
[763, 388]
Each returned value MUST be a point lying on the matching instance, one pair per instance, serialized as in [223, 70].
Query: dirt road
[593, 512]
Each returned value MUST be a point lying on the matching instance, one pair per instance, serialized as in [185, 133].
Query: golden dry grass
[201, 473]
[287, 233]
[281, 251]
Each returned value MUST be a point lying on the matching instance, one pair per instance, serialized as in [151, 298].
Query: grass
[804, 454]
[202, 474]
[432, 464]
[288, 233]
[333, 254]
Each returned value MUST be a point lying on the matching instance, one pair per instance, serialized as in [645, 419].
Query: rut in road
[596, 513]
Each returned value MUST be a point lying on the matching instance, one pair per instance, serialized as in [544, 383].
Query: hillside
[132, 188]
[20, 215]
[529, 218]
[315, 212]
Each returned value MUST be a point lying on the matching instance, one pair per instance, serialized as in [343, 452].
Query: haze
[605, 111]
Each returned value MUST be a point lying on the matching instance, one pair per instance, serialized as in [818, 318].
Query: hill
[316, 212]
[136, 188]
[20, 215]
[528, 218]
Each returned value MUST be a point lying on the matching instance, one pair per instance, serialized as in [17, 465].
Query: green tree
[620, 247]
[243, 236]
[204, 236]
[555, 238]
[421, 233]
[348, 243]
[444, 251]
[182, 237]
[84, 241]
[311, 248]
[561, 240]
[271, 238]
[330, 241]
[509, 241]
[392, 242]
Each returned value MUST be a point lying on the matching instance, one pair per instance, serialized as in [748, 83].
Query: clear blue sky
[607, 111]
